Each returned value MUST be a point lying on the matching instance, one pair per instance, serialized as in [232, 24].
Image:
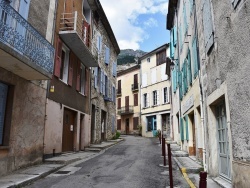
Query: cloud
[123, 18]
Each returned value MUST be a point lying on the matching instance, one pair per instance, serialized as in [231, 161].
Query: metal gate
[223, 143]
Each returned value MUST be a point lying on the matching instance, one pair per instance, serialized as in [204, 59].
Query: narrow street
[133, 163]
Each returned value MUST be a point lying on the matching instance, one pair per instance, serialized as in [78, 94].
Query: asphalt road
[134, 163]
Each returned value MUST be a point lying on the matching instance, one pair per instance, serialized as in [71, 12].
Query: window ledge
[4, 147]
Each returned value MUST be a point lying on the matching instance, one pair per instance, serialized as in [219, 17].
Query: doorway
[103, 125]
[127, 126]
[93, 124]
[193, 149]
[68, 130]
[223, 143]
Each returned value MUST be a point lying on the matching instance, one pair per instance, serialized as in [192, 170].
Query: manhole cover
[62, 172]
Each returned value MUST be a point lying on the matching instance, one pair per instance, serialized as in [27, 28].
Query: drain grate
[62, 172]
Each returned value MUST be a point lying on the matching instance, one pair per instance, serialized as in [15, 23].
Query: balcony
[119, 92]
[126, 110]
[23, 50]
[134, 87]
[75, 33]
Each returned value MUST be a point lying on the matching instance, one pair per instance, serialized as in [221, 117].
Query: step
[179, 154]
[171, 142]
[90, 149]
[175, 148]
[187, 163]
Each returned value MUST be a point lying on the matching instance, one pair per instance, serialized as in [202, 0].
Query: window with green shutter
[174, 79]
[186, 124]
[185, 19]
[185, 84]
[189, 70]
[180, 85]
[171, 44]
[195, 58]
[175, 36]
[182, 130]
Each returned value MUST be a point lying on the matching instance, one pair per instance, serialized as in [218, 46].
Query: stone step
[90, 149]
[171, 142]
[179, 154]
[175, 148]
[187, 163]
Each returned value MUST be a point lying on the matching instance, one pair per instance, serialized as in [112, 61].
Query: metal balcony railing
[18, 34]
[134, 87]
[119, 92]
[125, 110]
[76, 33]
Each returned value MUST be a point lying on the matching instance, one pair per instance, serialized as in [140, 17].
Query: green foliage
[117, 135]
[125, 59]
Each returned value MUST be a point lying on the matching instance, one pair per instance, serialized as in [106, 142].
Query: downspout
[48, 82]
[203, 123]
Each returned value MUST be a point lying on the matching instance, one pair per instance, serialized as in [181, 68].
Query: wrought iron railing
[126, 110]
[134, 87]
[76, 22]
[16, 32]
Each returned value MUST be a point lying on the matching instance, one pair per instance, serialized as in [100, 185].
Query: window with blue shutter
[101, 90]
[180, 85]
[185, 18]
[175, 36]
[189, 69]
[180, 37]
[107, 55]
[99, 44]
[177, 73]
[207, 26]
[3, 99]
[182, 130]
[171, 44]
[96, 76]
[185, 85]
[191, 3]
[114, 69]
[174, 79]
[195, 58]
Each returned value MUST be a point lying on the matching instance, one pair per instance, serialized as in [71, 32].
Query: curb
[190, 183]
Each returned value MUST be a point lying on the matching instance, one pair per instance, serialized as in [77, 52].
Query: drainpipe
[203, 122]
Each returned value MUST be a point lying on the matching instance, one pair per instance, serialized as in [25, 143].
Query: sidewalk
[190, 168]
[24, 176]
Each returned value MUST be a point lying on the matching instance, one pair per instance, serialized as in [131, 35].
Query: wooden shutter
[136, 99]
[87, 84]
[182, 130]
[157, 97]
[78, 76]
[208, 26]
[119, 124]
[119, 103]
[135, 80]
[135, 123]
[171, 44]
[96, 76]
[195, 58]
[107, 55]
[127, 103]
[86, 33]
[58, 58]
[189, 69]
[70, 75]
[175, 36]
[119, 86]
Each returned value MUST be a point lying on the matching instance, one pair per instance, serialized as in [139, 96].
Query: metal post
[159, 135]
[164, 151]
[203, 180]
[162, 154]
[170, 167]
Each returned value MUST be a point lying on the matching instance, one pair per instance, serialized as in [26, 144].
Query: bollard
[203, 180]
[162, 154]
[159, 137]
[164, 151]
[170, 167]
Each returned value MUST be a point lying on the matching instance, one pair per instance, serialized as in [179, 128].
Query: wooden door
[68, 130]
[127, 126]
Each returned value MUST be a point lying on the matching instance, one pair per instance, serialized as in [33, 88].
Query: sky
[138, 24]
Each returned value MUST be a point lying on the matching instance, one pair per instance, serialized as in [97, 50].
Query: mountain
[128, 56]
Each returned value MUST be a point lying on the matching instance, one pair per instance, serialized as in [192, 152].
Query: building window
[151, 123]
[3, 102]
[145, 100]
[135, 123]
[64, 69]
[155, 98]
[148, 59]
[136, 99]
[161, 57]
[119, 124]
[165, 95]
[83, 79]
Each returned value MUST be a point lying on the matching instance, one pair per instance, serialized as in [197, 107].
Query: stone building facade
[128, 100]
[222, 31]
[103, 80]
[27, 60]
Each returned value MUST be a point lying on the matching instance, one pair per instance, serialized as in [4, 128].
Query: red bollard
[203, 180]
[159, 138]
[170, 167]
[162, 154]
[164, 151]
